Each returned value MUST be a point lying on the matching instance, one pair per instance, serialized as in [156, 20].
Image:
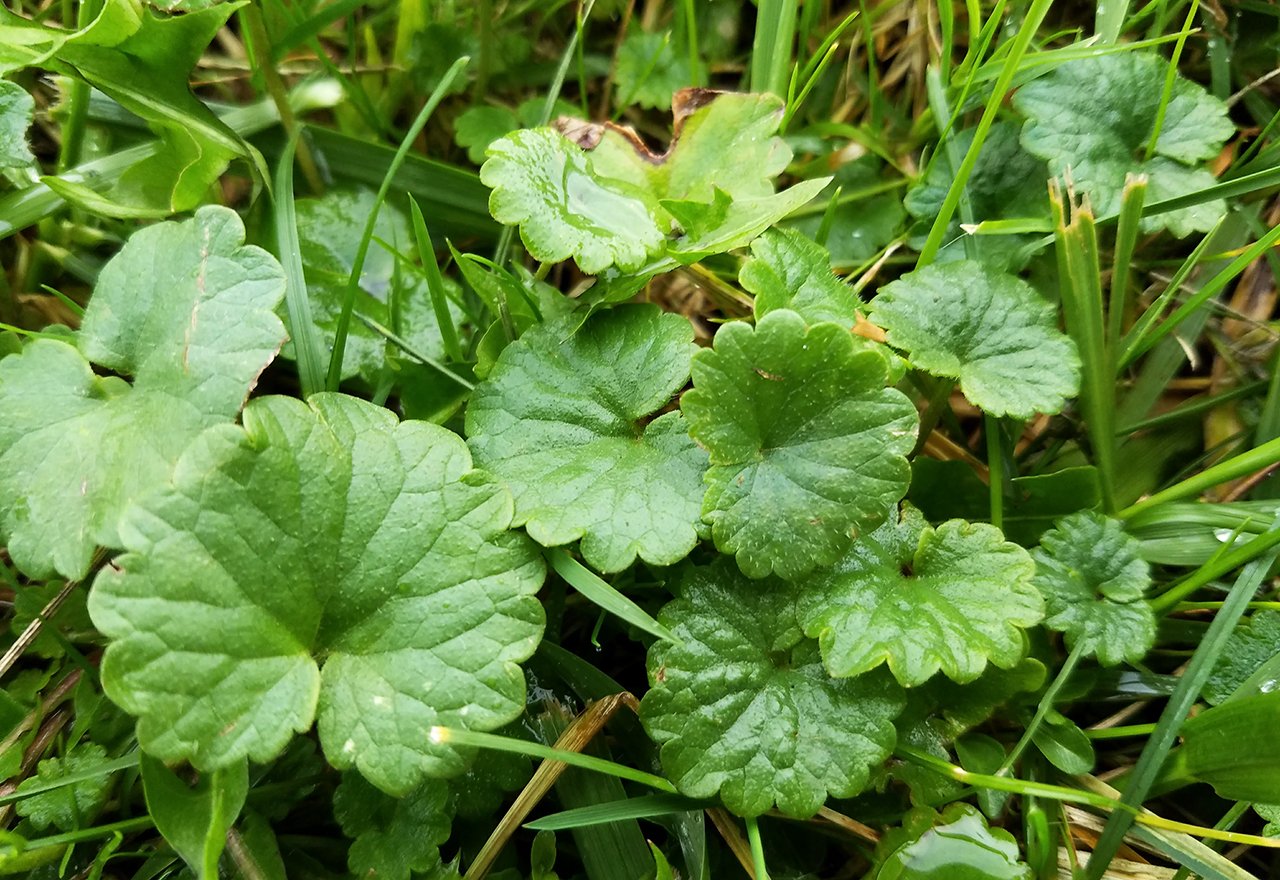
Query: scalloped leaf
[393, 837]
[957, 845]
[789, 270]
[565, 422]
[1094, 117]
[1251, 644]
[16, 109]
[1094, 584]
[922, 600]
[548, 187]
[184, 308]
[806, 443]
[992, 331]
[322, 561]
[742, 705]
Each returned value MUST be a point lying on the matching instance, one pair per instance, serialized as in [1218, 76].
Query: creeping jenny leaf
[1095, 116]
[807, 445]
[184, 308]
[16, 107]
[1094, 585]
[788, 270]
[742, 705]
[393, 837]
[924, 600]
[322, 561]
[990, 330]
[565, 423]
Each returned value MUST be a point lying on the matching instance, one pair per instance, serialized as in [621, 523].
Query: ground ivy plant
[370, 583]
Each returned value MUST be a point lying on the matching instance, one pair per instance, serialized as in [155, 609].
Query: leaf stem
[757, 849]
[995, 469]
[1042, 710]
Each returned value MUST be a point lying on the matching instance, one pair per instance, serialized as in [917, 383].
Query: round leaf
[743, 707]
[564, 422]
[924, 600]
[788, 270]
[323, 560]
[1094, 584]
[807, 445]
[547, 185]
[990, 330]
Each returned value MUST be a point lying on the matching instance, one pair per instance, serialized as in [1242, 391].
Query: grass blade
[771, 47]
[603, 595]
[1135, 193]
[645, 807]
[1175, 712]
[357, 267]
[435, 284]
[308, 347]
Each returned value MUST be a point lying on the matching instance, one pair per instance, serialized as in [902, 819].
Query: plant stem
[757, 849]
[1042, 710]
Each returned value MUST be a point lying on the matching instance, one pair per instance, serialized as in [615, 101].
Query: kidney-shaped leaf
[788, 270]
[184, 308]
[1095, 116]
[807, 444]
[544, 183]
[990, 330]
[322, 561]
[959, 846]
[743, 707]
[564, 422]
[924, 600]
[1094, 585]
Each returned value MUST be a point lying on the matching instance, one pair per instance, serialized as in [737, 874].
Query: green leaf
[184, 308]
[959, 846]
[807, 445]
[1232, 748]
[478, 127]
[719, 228]
[548, 186]
[329, 240]
[939, 710]
[990, 330]
[393, 837]
[1095, 117]
[1006, 183]
[743, 706]
[565, 423]
[1248, 647]
[1094, 584]
[70, 806]
[194, 820]
[1271, 813]
[323, 561]
[788, 270]
[1065, 745]
[16, 109]
[648, 71]
[923, 600]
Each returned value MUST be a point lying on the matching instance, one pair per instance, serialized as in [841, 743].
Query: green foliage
[186, 309]
[345, 568]
[70, 805]
[1097, 116]
[195, 819]
[958, 845]
[649, 71]
[991, 331]
[923, 600]
[1249, 646]
[16, 108]
[566, 421]
[742, 705]
[790, 271]
[329, 240]
[392, 837]
[807, 445]
[1094, 585]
